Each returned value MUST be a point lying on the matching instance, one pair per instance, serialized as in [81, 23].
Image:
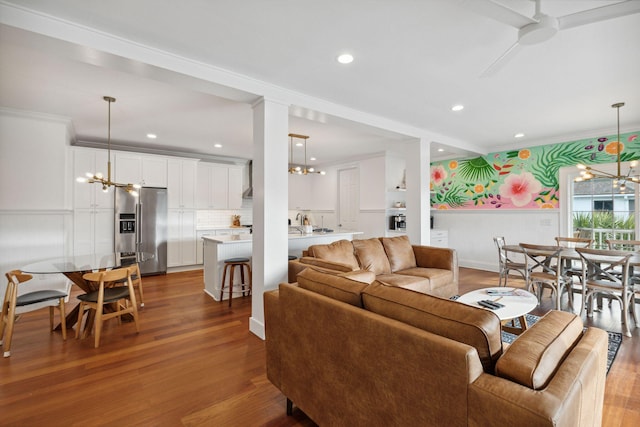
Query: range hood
[248, 193]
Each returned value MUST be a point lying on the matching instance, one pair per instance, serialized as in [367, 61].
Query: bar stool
[231, 264]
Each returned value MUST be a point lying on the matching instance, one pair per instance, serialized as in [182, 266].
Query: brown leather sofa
[348, 352]
[393, 260]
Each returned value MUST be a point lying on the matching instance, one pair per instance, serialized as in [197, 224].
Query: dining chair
[573, 268]
[606, 271]
[634, 274]
[505, 264]
[49, 294]
[136, 279]
[108, 295]
[544, 270]
[623, 245]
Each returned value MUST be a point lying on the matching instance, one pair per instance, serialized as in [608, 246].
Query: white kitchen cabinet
[154, 171]
[93, 231]
[181, 244]
[90, 196]
[181, 183]
[439, 238]
[146, 170]
[219, 186]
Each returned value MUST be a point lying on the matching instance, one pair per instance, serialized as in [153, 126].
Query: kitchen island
[219, 248]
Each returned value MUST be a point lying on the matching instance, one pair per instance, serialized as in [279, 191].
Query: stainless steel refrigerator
[141, 226]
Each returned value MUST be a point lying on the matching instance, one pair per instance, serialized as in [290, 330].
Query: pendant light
[619, 180]
[98, 178]
[295, 168]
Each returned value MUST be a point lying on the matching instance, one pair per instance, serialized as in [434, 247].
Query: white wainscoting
[471, 233]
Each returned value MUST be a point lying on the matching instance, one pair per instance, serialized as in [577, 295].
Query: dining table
[74, 267]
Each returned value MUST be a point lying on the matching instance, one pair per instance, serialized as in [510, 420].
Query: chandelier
[98, 177]
[619, 180]
[293, 167]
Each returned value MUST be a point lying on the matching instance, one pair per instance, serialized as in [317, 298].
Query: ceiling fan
[542, 27]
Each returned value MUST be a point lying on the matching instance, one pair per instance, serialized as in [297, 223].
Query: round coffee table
[517, 303]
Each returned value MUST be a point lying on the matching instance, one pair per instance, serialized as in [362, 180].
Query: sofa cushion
[399, 252]
[323, 263]
[371, 256]
[337, 286]
[419, 284]
[438, 277]
[473, 326]
[536, 355]
[340, 251]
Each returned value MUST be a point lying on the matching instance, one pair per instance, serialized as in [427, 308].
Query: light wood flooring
[195, 363]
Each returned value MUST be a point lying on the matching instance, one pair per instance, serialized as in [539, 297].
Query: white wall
[34, 170]
[471, 233]
[35, 184]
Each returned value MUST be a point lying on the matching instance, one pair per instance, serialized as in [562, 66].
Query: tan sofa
[350, 353]
[393, 260]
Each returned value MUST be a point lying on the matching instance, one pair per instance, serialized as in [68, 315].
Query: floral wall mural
[521, 179]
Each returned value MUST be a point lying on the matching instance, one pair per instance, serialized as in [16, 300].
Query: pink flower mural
[520, 188]
[438, 174]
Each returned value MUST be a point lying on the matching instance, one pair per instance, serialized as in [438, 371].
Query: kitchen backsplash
[223, 218]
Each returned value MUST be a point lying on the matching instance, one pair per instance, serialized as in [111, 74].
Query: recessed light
[345, 58]
[217, 145]
[313, 159]
[152, 136]
[299, 144]
[441, 149]
[458, 107]
[519, 135]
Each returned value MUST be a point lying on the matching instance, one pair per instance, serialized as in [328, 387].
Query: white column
[270, 203]
[418, 202]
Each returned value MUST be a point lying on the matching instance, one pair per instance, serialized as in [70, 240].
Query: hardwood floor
[194, 363]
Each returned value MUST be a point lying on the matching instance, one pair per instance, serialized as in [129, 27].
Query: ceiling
[188, 71]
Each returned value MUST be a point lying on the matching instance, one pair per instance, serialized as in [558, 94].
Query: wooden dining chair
[623, 245]
[506, 264]
[136, 279]
[106, 295]
[574, 242]
[544, 270]
[606, 271]
[16, 302]
[634, 274]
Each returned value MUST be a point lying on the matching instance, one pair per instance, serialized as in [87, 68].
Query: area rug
[615, 339]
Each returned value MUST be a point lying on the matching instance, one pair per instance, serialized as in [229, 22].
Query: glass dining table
[76, 266]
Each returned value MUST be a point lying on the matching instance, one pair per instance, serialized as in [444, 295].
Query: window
[603, 205]
[597, 208]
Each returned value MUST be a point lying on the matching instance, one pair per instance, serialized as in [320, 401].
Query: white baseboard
[257, 328]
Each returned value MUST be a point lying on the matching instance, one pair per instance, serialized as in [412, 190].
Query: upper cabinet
[90, 196]
[181, 183]
[219, 186]
[146, 170]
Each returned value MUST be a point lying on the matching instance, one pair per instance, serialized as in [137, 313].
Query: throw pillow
[400, 252]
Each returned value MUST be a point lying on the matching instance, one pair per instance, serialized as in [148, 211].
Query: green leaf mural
[521, 179]
[475, 169]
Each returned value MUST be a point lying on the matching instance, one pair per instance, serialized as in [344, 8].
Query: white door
[348, 198]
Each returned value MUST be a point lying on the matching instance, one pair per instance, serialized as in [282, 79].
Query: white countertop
[247, 238]
[229, 227]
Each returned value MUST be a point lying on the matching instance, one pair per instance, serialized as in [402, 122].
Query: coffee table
[517, 303]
